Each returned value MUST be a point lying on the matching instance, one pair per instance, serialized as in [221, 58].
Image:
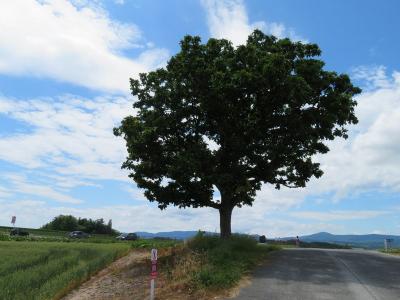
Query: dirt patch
[126, 278]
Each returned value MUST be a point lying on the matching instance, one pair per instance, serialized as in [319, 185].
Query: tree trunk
[225, 216]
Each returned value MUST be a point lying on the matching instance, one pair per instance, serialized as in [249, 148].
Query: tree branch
[214, 205]
[289, 186]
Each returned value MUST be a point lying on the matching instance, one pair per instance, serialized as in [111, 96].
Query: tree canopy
[233, 118]
[70, 223]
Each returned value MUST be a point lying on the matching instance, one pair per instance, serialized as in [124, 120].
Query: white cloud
[338, 215]
[76, 43]
[375, 76]
[136, 193]
[68, 135]
[21, 185]
[4, 192]
[370, 157]
[61, 181]
[46, 192]
[228, 19]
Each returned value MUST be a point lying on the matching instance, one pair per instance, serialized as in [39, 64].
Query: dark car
[78, 234]
[262, 239]
[127, 237]
[19, 232]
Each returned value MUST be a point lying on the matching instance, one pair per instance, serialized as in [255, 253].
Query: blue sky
[64, 70]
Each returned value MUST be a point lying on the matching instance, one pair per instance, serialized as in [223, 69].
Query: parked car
[19, 232]
[127, 237]
[78, 234]
[262, 239]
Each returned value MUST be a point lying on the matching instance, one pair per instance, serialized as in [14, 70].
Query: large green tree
[233, 118]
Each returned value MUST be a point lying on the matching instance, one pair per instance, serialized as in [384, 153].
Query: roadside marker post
[153, 272]
[387, 243]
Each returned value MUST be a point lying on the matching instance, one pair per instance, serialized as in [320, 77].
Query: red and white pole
[153, 273]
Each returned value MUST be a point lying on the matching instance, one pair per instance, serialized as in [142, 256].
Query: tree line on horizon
[71, 223]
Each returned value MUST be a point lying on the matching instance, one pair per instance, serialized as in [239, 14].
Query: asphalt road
[321, 274]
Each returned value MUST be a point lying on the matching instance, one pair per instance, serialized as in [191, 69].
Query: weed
[209, 263]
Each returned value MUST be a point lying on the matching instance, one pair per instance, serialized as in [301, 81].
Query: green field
[46, 270]
[52, 236]
[36, 232]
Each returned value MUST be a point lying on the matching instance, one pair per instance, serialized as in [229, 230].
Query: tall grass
[154, 243]
[43, 270]
[226, 260]
[211, 263]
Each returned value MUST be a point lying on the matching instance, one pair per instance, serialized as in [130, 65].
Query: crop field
[36, 232]
[46, 270]
[52, 236]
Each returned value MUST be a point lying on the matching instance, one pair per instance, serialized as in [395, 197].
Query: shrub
[225, 260]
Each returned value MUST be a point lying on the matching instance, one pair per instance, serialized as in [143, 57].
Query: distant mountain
[371, 241]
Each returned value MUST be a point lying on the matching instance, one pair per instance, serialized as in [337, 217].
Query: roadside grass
[292, 244]
[394, 251]
[208, 264]
[154, 243]
[49, 270]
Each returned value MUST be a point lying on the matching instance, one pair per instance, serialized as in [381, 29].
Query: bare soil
[126, 278]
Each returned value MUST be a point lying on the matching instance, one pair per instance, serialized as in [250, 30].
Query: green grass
[46, 270]
[395, 251]
[37, 232]
[224, 262]
[154, 243]
[42, 235]
[292, 244]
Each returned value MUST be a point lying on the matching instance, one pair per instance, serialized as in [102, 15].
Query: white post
[152, 289]
[153, 272]
[386, 245]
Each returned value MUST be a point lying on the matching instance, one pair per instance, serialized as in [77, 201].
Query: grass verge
[207, 264]
[394, 251]
[154, 243]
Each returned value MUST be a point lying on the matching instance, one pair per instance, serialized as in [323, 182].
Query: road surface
[306, 274]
